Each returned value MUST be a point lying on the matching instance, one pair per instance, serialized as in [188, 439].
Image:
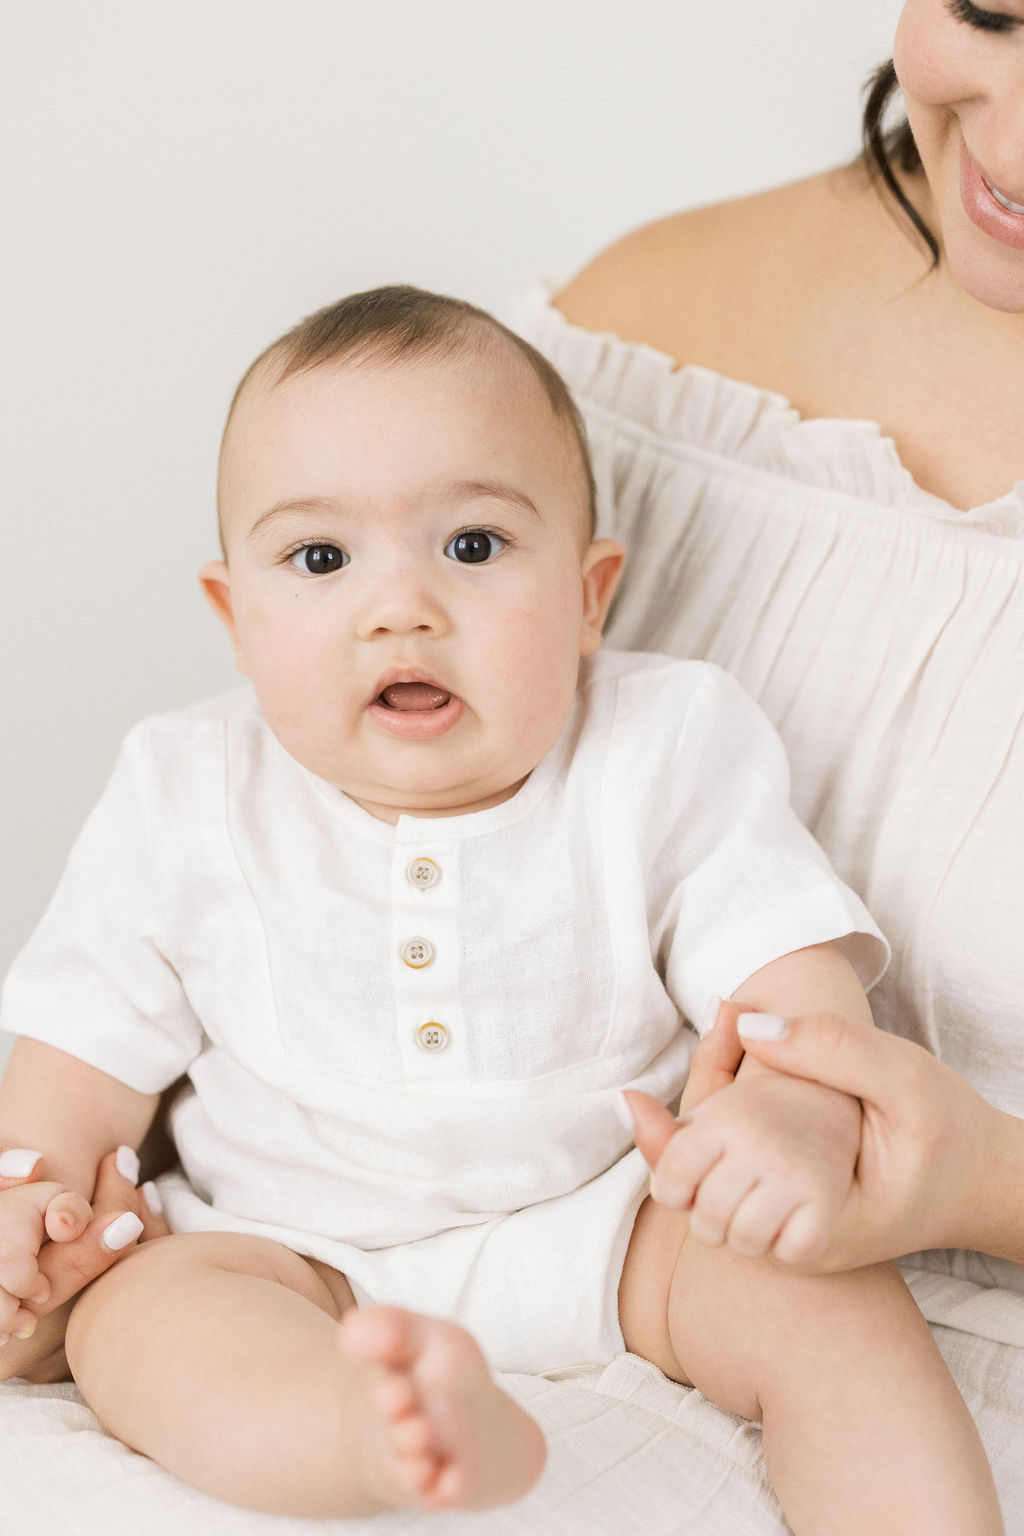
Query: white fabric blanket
[629, 1452]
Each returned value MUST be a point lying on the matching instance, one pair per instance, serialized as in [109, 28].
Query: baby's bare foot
[447, 1435]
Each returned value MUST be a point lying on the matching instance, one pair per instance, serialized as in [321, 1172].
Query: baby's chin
[388, 804]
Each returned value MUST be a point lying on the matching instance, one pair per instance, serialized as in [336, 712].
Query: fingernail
[28, 1330]
[152, 1197]
[620, 1104]
[707, 1023]
[127, 1164]
[17, 1163]
[5, 1338]
[762, 1026]
[121, 1232]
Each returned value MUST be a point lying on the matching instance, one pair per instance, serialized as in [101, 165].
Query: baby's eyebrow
[455, 490]
[494, 490]
[297, 508]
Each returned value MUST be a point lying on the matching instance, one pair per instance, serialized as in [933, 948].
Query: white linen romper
[405, 1044]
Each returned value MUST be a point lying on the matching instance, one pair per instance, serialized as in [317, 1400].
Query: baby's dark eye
[474, 546]
[318, 559]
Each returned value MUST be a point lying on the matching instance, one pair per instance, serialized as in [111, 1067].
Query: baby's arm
[75, 1114]
[761, 1165]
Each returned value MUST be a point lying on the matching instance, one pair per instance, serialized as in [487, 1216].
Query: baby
[411, 909]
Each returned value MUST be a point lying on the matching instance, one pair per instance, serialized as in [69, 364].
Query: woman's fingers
[151, 1209]
[653, 1125]
[18, 1165]
[120, 1216]
[716, 1059]
[826, 1047]
[40, 1358]
[115, 1192]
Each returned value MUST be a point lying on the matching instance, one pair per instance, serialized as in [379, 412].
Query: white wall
[182, 180]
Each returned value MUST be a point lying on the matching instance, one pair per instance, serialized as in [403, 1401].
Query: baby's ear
[602, 567]
[215, 580]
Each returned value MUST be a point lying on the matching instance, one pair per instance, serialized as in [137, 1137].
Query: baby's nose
[401, 602]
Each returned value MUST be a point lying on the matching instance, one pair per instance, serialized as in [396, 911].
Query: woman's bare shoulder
[714, 285]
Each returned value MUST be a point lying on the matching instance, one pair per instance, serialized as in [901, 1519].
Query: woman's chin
[990, 275]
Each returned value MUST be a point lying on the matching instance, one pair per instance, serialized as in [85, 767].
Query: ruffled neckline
[741, 422]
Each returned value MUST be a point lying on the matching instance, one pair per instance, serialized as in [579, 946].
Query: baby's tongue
[414, 696]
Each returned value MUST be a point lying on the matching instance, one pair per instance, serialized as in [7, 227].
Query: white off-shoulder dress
[881, 630]
[883, 633]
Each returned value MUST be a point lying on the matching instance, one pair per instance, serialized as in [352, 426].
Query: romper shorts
[537, 1289]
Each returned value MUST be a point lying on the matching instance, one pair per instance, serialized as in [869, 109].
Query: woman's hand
[70, 1266]
[938, 1166]
[762, 1160]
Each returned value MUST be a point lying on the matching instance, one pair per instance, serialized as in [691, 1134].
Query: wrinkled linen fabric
[630, 1454]
[881, 630]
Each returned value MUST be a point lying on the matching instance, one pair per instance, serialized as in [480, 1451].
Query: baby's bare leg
[864, 1429]
[218, 1355]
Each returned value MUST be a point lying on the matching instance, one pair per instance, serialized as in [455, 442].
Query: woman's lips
[994, 213]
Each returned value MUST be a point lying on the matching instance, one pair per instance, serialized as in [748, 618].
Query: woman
[818, 473]
[862, 583]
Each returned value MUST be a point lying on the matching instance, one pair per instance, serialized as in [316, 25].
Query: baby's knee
[164, 1264]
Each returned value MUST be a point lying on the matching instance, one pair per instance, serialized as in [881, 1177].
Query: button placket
[424, 890]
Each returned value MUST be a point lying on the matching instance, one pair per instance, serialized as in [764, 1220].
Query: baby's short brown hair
[387, 324]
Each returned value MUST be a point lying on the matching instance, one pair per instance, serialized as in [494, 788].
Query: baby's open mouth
[413, 696]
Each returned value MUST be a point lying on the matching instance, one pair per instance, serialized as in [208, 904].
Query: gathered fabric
[881, 630]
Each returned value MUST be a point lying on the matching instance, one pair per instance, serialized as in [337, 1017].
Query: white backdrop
[180, 180]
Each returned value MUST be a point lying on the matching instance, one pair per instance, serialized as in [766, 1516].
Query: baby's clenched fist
[764, 1165]
[29, 1214]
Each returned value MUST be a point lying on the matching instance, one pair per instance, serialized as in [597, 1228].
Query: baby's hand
[29, 1214]
[762, 1165]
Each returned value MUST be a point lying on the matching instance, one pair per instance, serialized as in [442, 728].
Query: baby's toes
[412, 1438]
[448, 1487]
[395, 1396]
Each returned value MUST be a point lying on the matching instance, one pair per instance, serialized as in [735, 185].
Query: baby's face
[409, 585]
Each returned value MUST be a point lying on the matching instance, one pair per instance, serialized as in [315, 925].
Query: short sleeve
[739, 881]
[93, 980]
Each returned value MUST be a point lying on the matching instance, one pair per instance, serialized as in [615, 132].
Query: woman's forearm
[993, 1209]
[71, 1112]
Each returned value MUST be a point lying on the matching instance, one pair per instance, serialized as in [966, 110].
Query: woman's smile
[990, 210]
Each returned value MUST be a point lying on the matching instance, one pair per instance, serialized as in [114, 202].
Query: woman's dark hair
[886, 148]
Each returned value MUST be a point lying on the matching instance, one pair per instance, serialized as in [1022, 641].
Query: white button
[417, 953]
[432, 1037]
[423, 873]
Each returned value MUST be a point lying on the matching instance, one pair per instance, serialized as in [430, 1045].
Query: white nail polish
[621, 1109]
[762, 1026]
[121, 1232]
[18, 1162]
[152, 1197]
[127, 1164]
[707, 1023]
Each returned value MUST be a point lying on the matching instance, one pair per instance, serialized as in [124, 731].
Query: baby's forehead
[490, 373]
[486, 372]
